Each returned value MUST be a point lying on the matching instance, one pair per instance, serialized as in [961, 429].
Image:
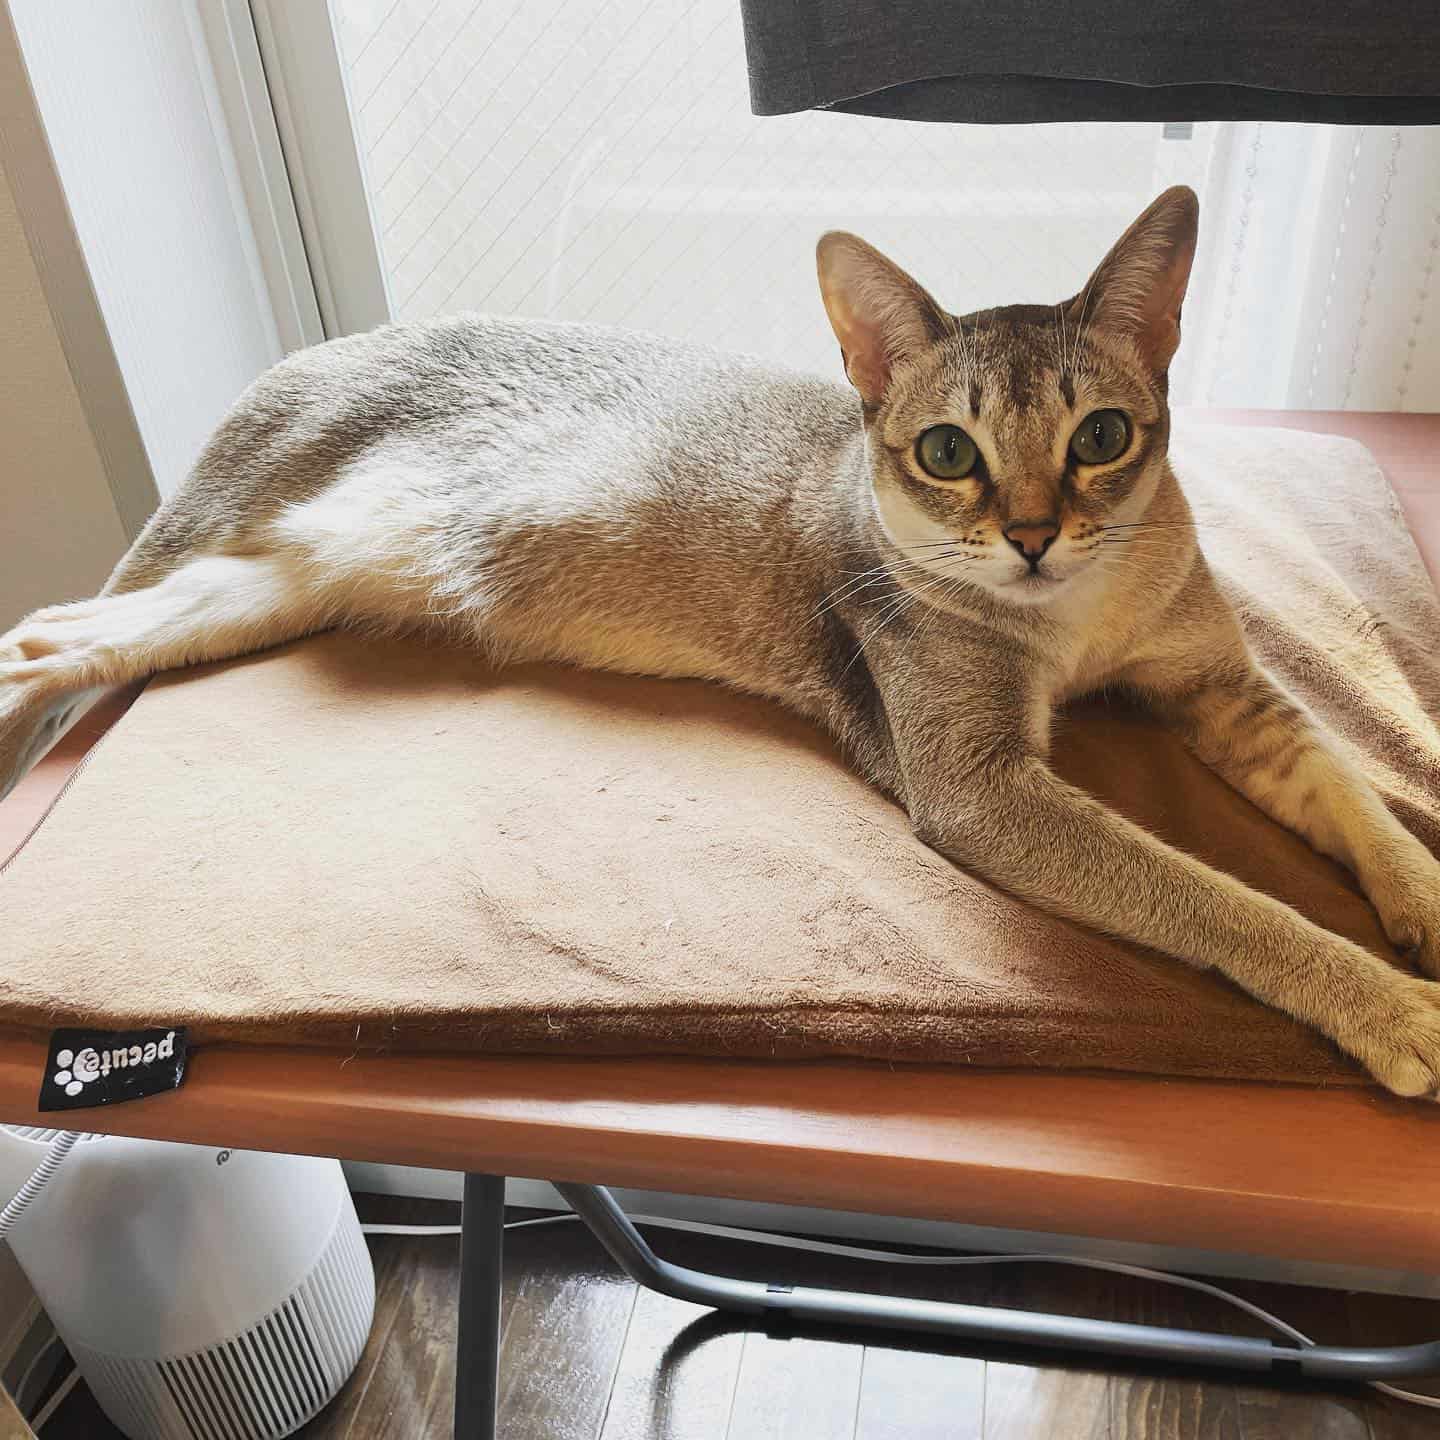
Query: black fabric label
[104, 1067]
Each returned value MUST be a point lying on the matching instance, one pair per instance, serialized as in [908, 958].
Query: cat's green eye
[1103, 436]
[946, 452]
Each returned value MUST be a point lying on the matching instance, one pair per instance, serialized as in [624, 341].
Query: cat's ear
[879, 314]
[1140, 285]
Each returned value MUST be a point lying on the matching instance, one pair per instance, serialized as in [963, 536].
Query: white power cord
[898, 1257]
[60, 1147]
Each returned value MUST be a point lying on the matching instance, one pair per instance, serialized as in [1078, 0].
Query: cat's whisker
[938, 607]
[951, 588]
[862, 552]
[848, 588]
[936, 559]
[888, 598]
[925, 544]
[848, 592]
[1152, 525]
[1112, 563]
[927, 573]
[901, 605]
[1134, 538]
[936, 580]
[863, 580]
[933, 577]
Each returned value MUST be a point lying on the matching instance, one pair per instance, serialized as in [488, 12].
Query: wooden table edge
[1204, 1164]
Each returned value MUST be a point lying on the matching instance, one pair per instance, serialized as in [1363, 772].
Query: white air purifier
[204, 1294]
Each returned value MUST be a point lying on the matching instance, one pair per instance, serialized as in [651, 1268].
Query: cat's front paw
[1399, 1042]
[1406, 895]
[13, 750]
[27, 726]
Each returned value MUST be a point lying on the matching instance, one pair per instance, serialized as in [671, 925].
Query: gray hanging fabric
[1333, 61]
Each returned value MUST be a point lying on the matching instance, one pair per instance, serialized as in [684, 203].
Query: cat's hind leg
[210, 608]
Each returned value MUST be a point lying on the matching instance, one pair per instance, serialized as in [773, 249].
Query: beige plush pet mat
[377, 845]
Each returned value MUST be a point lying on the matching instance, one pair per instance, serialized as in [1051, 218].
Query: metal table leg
[597, 1207]
[477, 1346]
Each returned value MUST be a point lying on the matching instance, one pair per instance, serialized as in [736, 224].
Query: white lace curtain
[1317, 285]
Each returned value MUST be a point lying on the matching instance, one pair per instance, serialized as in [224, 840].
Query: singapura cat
[622, 501]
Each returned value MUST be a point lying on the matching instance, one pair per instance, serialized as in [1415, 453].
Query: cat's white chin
[1032, 587]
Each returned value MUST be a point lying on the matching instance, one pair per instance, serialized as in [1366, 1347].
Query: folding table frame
[478, 1342]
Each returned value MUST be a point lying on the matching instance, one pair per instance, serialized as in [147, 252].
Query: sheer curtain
[597, 159]
[1316, 284]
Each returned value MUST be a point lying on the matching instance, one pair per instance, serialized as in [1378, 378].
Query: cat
[985, 528]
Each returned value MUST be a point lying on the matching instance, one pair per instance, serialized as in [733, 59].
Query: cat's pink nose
[1032, 538]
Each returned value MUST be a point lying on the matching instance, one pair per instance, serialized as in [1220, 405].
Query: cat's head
[1003, 443]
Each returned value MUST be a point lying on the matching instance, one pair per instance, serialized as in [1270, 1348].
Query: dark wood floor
[588, 1356]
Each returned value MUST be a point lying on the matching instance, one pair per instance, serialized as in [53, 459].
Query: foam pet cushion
[384, 845]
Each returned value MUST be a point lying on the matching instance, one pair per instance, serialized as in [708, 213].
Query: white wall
[59, 530]
[132, 113]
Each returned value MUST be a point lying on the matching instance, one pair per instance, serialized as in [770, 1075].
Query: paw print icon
[74, 1072]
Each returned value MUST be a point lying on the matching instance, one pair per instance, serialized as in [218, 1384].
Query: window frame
[309, 94]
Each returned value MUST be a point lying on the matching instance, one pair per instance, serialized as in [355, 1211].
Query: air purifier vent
[263, 1383]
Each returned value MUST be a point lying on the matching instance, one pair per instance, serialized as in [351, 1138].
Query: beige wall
[59, 531]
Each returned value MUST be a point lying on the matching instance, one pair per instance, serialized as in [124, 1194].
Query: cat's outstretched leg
[1248, 730]
[210, 608]
[979, 789]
